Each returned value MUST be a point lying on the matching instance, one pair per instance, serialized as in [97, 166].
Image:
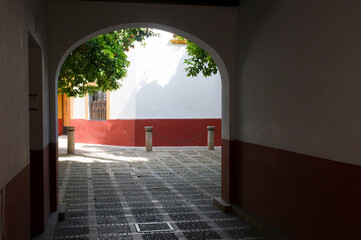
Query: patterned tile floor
[127, 193]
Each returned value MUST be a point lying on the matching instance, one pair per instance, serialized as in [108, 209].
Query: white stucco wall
[157, 86]
[79, 108]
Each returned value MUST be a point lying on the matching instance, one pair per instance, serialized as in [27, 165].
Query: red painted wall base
[132, 133]
[53, 176]
[60, 127]
[303, 196]
[15, 198]
[39, 189]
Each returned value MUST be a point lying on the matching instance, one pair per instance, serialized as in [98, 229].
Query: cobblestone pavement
[128, 193]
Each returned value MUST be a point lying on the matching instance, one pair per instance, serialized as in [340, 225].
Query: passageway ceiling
[227, 3]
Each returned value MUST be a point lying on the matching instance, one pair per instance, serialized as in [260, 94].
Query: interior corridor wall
[299, 141]
[19, 20]
[155, 92]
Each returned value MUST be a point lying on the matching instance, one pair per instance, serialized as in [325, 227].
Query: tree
[199, 62]
[99, 63]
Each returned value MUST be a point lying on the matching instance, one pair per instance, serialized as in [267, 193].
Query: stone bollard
[210, 137]
[71, 143]
[148, 138]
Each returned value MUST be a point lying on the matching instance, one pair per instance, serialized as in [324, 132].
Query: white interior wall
[17, 19]
[300, 76]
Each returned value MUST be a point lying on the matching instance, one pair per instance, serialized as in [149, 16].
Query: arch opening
[224, 73]
[211, 189]
[202, 44]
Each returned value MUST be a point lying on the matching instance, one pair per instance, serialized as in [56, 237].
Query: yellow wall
[60, 106]
[66, 110]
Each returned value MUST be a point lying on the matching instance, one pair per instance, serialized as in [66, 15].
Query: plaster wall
[79, 108]
[123, 101]
[79, 24]
[36, 82]
[163, 88]
[157, 86]
[17, 18]
[299, 77]
[37, 27]
[23, 134]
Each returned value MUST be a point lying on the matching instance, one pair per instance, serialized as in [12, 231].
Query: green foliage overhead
[199, 61]
[99, 63]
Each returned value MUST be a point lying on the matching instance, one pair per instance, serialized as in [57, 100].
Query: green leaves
[199, 62]
[99, 63]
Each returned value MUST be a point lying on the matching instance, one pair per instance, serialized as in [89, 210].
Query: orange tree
[199, 61]
[99, 63]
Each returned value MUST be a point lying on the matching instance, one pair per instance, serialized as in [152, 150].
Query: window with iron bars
[98, 106]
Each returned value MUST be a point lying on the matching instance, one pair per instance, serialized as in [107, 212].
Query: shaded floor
[127, 193]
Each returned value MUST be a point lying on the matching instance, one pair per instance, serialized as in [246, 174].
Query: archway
[215, 55]
[156, 92]
[205, 29]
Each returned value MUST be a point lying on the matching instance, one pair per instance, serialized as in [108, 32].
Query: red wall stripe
[16, 222]
[303, 196]
[132, 133]
[39, 189]
[60, 127]
[53, 176]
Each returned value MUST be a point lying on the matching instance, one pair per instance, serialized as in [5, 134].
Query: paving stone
[220, 215]
[107, 220]
[229, 223]
[141, 204]
[120, 230]
[192, 225]
[76, 214]
[246, 234]
[173, 203]
[128, 237]
[203, 202]
[110, 212]
[208, 208]
[149, 218]
[202, 235]
[137, 198]
[73, 222]
[188, 216]
[70, 200]
[144, 211]
[108, 206]
[159, 236]
[176, 186]
[165, 197]
[178, 209]
[73, 231]
[106, 200]
[105, 195]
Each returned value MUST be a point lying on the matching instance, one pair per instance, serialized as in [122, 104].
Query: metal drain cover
[154, 227]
